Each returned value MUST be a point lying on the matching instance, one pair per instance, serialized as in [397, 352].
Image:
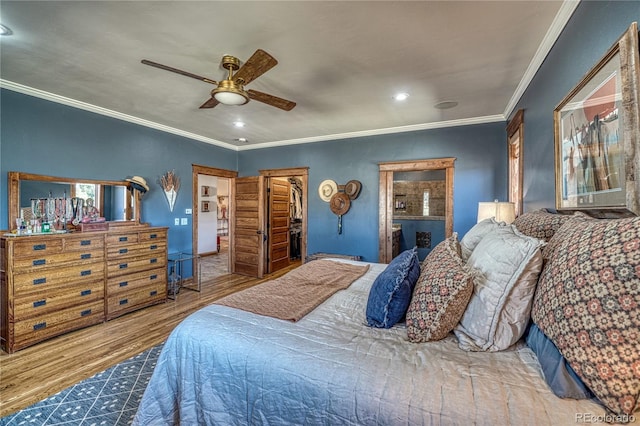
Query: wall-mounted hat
[352, 189]
[340, 203]
[326, 189]
[138, 183]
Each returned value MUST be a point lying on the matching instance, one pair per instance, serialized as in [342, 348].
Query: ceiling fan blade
[185, 73]
[271, 100]
[259, 63]
[211, 102]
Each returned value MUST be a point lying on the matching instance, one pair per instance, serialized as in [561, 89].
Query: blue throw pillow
[561, 378]
[391, 292]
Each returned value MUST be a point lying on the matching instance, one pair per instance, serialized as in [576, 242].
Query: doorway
[211, 219]
[390, 204]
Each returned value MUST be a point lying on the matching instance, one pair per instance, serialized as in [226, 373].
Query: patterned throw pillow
[441, 293]
[588, 304]
[391, 291]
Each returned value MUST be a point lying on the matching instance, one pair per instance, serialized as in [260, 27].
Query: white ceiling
[341, 61]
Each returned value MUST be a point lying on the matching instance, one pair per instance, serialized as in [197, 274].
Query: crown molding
[9, 85]
[558, 24]
[120, 116]
[376, 132]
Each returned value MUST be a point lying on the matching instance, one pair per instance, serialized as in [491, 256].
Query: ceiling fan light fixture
[229, 93]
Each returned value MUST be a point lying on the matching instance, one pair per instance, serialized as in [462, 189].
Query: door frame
[303, 174]
[385, 231]
[196, 170]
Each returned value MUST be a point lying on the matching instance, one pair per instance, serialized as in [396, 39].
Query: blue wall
[480, 175]
[43, 137]
[593, 28]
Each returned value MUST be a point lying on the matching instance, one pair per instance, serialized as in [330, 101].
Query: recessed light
[239, 123]
[401, 96]
[445, 105]
[241, 140]
[5, 31]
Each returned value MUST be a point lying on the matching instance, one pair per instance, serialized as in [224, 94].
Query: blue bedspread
[223, 366]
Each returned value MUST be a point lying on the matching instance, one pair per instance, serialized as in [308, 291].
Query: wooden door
[247, 233]
[279, 215]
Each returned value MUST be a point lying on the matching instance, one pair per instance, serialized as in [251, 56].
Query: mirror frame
[14, 179]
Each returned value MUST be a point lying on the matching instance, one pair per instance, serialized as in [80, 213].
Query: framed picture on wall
[205, 207]
[205, 191]
[597, 131]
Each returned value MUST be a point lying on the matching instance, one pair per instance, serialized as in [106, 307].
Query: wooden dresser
[52, 284]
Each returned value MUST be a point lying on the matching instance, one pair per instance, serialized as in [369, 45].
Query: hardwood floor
[46, 368]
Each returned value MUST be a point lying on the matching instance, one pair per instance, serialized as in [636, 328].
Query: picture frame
[205, 191]
[205, 207]
[597, 132]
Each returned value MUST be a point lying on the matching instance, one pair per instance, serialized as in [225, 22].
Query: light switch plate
[176, 221]
[184, 221]
[187, 211]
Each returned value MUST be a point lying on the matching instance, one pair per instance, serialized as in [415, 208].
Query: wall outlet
[184, 221]
[176, 221]
[187, 211]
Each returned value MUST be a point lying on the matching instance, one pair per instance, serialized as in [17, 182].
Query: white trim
[401, 129]
[16, 87]
[558, 24]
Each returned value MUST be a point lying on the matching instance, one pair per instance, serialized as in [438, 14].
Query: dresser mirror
[32, 195]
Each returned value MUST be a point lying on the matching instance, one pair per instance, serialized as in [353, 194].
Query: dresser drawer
[47, 280]
[116, 239]
[147, 295]
[128, 266]
[55, 300]
[35, 247]
[131, 282]
[79, 243]
[150, 247]
[40, 262]
[33, 330]
[153, 235]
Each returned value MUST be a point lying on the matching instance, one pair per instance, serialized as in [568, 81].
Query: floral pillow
[587, 303]
[441, 294]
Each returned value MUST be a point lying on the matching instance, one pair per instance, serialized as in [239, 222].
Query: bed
[227, 366]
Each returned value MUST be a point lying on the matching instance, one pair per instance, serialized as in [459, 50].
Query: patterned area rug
[109, 398]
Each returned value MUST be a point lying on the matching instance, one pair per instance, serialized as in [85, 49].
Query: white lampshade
[502, 211]
[230, 98]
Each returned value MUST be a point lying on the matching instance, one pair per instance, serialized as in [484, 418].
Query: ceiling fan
[231, 90]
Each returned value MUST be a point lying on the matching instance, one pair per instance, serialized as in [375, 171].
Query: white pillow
[475, 234]
[508, 265]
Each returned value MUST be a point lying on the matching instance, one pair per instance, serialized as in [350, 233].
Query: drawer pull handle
[154, 260]
[85, 292]
[124, 301]
[152, 236]
[39, 326]
[85, 312]
[153, 277]
[39, 281]
[153, 293]
[38, 262]
[123, 265]
[85, 242]
[40, 303]
[85, 256]
[85, 273]
[124, 283]
[122, 239]
[123, 251]
[40, 247]
[153, 247]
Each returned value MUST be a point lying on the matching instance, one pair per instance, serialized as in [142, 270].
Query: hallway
[216, 264]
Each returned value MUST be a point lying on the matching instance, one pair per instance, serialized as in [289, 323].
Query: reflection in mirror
[69, 201]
